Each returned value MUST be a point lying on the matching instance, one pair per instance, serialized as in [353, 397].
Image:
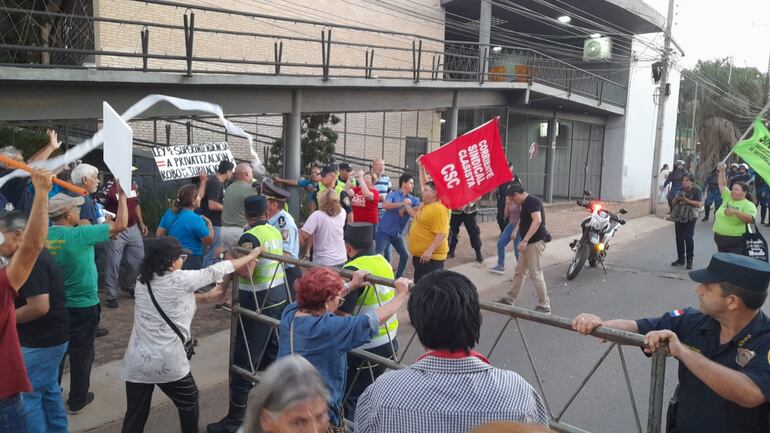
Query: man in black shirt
[533, 239]
[211, 206]
[43, 328]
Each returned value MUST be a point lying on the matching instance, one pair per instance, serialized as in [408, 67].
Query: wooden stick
[12, 163]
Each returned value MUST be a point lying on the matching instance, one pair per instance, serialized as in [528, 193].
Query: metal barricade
[617, 338]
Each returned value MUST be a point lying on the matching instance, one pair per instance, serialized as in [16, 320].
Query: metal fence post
[326, 46]
[145, 36]
[657, 379]
[278, 56]
[189, 31]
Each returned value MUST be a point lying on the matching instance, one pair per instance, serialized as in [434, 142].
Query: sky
[708, 29]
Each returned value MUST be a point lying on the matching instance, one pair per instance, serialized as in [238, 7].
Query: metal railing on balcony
[192, 44]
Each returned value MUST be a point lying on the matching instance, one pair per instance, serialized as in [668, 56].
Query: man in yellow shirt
[429, 231]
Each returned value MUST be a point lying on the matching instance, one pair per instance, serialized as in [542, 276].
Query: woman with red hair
[309, 327]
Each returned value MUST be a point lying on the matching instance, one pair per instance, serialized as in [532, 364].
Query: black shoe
[678, 262]
[101, 332]
[479, 258]
[228, 424]
[689, 264]
[74, 410]
[705, 219]
[111, 303]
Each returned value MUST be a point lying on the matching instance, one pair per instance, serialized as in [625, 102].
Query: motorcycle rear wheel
[578, 261]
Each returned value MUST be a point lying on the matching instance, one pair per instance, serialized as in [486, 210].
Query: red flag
[469, 166]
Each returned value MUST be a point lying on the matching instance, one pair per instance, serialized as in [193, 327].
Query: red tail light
[597, 207]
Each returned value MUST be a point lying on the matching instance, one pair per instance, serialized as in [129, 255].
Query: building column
[451, 121]
[485, 30]
[550, 158]
[292, 158]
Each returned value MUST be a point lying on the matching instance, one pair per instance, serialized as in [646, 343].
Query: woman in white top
[156, 354]
[324, 230]
[662, 183]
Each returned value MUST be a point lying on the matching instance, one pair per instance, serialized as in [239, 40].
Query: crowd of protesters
[312, 377]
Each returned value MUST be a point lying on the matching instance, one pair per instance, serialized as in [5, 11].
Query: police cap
[742, 271]
[255, 205]
[360, 235]
[344, 166]
[273, 192]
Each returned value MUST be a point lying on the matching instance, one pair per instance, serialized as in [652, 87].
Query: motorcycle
[598, 230]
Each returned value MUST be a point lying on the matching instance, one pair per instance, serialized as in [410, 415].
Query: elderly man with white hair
[86, 176]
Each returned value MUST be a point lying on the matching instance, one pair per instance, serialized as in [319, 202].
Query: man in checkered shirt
[451, 388]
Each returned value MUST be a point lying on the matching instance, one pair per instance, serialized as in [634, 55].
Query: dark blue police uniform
[700, 409]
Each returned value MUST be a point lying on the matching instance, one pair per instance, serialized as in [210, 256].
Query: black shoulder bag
[755, 244]
[189, 345]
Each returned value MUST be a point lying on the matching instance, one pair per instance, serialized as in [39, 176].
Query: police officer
[675, 179]
[465, 215]
[723, 348]
[369, 297]
[713, 195]
[262, 290]
[284, 222]
[742, 175]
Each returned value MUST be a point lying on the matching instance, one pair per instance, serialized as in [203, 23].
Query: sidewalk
[210, 364]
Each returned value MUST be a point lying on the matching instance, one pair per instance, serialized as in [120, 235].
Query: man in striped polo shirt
[381, 182]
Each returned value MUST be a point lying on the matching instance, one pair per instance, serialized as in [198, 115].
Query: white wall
[628, 176]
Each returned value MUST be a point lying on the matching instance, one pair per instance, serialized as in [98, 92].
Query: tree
[318, 142]
[726, 106]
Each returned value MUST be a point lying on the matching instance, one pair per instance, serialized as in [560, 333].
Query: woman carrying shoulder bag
[731, 218]
[157, 352]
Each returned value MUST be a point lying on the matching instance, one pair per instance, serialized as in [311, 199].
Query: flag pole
[746, 132]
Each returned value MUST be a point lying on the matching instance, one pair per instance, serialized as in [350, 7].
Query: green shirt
[731, 225]
[232, 214]
[73, 250]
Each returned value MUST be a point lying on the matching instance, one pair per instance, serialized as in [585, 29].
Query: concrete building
[403, 76]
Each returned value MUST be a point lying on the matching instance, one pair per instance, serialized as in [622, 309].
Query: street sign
[118, 147]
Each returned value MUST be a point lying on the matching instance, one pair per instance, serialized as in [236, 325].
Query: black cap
[344, 166]
[272, 192]
[255, 205]
[742, 271]
[328, 168]
[360, 235]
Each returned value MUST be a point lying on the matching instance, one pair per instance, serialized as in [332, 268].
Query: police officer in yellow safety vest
[263, 285]
[360, 250]
[329, 180]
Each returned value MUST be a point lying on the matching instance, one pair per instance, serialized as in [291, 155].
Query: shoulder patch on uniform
[281, 221]
[247, 245]
[285, 234]
[677, 313]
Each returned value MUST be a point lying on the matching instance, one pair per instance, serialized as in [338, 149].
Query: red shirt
[111, 201]
[364, 210]
[13, 378]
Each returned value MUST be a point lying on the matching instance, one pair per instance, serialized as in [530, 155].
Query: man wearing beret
[723, 348]
[261, 288]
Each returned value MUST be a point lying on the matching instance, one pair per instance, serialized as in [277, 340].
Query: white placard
[118, 146]
[186, 161]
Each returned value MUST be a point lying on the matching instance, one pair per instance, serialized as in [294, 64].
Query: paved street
[639, 282]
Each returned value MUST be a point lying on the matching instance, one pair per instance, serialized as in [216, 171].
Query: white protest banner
[118, 146]
[144, 104]
[186, 161]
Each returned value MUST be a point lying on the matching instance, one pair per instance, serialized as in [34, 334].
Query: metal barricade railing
[616, 337]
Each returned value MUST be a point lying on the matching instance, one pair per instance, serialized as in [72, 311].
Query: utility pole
[694, 108]
[661, 109]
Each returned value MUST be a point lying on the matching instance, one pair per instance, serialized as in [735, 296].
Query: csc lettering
[450, 176]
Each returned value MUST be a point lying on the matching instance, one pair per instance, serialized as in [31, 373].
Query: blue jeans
[12, 415]
[504, 240]
[44, 405]
[209, 256]
[383, 241]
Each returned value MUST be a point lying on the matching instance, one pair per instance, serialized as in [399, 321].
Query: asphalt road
[639, 283]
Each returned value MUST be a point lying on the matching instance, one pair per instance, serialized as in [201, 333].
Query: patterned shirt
[444, 395]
